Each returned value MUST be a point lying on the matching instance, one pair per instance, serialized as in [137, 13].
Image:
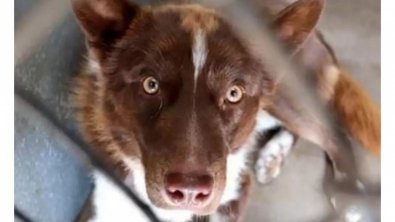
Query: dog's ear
[294, 24]
[103, 21]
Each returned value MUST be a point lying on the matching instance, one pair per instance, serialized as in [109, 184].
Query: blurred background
[52, 180]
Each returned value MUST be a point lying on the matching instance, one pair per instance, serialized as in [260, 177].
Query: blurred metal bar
[20, 216]
[36, 25]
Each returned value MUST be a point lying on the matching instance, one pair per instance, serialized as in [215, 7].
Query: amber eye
[151, 85]
[234, 94]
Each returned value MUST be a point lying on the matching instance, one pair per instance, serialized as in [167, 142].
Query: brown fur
[359, 113]
[353, 106]
[293, 30]
[194, 17]
[95, 125]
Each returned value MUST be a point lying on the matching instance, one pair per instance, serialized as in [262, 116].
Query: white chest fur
[111, 204]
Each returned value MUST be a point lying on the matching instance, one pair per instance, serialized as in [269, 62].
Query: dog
[172, 99]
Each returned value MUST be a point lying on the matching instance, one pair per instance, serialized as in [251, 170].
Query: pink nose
[188, 190]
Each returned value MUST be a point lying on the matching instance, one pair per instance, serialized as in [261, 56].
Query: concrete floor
[352, 27]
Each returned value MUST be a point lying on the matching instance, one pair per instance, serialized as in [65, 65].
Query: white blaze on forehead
[199, 53]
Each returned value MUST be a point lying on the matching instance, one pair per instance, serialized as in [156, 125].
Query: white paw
[272, 156]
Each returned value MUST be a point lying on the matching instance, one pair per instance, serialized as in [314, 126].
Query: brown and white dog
[173, 100]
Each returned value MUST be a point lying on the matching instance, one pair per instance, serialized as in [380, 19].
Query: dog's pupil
[152, 84]
[233, 93]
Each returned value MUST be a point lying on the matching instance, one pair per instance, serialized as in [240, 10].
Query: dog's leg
[271, 157]
[235, 209]
[273, 143]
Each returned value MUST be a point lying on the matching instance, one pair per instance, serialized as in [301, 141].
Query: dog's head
[181, 82]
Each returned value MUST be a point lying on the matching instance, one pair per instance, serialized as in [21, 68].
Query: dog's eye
[151, 85]
[234, 94]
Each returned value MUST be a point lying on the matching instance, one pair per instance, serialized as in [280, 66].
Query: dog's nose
[188, 190]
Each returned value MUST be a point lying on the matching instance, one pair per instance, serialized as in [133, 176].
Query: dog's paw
[272, 156]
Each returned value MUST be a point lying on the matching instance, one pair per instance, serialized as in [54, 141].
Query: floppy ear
[294, 24]
[103, 21]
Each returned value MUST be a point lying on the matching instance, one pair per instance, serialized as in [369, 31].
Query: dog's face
[180, 81]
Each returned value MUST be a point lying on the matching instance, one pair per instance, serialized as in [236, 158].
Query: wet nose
[185, 190]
